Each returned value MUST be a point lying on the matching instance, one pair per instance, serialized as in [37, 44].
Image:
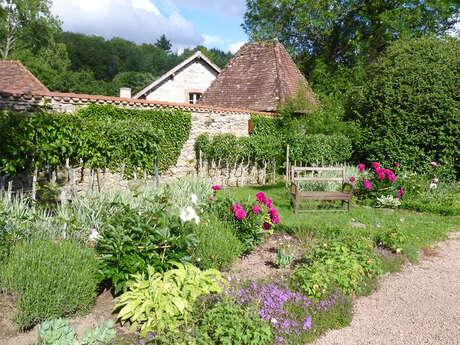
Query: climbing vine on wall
[100, 136]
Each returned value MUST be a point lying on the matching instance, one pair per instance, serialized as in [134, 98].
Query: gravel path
[418, 306]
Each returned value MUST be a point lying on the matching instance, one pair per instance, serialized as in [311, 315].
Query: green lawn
[411, 230]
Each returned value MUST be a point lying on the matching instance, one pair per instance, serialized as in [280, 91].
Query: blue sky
[187, 23]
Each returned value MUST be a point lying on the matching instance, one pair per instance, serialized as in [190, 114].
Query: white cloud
[234, 47]
[145, 5]
[211, 41]
[135, 20]
[224, 7]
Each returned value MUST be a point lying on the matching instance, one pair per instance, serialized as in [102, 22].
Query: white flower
[194, 199]
[433, 186]
[274, 321]
[94, 235]
[188, 213]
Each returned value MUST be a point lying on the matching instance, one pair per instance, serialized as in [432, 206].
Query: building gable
[17, 79]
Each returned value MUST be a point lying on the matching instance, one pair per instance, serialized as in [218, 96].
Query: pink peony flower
[361, 167]
[379, 170]
[392, 177]
[434, 164]
[216, 187]
[276, 219]
[382, 175]
[367, 184]
[352, 179]
[238, 207]
[269, 203]
[397, 165]
[240, 214]
[401, 193]
[261, 197]
[266, 226]
[212, 198]
[376, 165]
[256, 209]
[435, 180]
[273, 211]
[231, 209]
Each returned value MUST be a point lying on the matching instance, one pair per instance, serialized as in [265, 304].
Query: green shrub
[51, 278]
[165, 300]
[266, 126]
[231, 324]
[60, 332]
[337, 265]
[217, 244]
[133, 240]
[409, 110]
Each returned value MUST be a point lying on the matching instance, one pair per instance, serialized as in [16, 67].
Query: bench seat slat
[316, 169]
[300, 179]
[324, 196]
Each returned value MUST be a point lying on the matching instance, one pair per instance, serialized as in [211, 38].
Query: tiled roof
[16, 78]
[83, 99]
[259, 77]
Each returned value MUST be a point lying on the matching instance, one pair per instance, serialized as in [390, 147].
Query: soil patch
[260, 263]
[102, 311]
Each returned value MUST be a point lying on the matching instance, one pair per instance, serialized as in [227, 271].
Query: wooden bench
[298, 195]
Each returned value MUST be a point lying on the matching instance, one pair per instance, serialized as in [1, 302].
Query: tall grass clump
[217, 246]
[51, 278]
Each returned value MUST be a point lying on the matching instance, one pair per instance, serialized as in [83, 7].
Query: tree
[409, 109]
[26, 24]
[345, 32]
[164, 43]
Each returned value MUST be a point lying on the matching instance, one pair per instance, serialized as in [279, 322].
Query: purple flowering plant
[291, 314]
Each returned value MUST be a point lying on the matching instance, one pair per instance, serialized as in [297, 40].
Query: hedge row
[101, 136]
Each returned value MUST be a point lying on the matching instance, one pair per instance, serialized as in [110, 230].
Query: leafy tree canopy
[345, 32]
[164, 43]
[25, 24]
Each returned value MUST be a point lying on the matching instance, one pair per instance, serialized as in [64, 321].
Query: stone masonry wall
[195, 77]
[205, 119]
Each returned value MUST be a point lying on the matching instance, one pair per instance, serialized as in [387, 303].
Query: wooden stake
[287, 167]
[34, 184]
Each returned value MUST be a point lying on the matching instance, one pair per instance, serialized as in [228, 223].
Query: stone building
[261, 76]
[185, 83]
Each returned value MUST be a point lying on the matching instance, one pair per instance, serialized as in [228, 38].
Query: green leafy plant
[217, 245]
[60, 332]
[388, 201]
[52, 278]
[133, 240]
[231, 324]
[283, 258]
[165, 300]
[337, 265]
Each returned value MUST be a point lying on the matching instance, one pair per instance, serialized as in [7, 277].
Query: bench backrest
[297, 172]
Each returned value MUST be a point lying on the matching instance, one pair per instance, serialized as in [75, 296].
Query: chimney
[125, 92]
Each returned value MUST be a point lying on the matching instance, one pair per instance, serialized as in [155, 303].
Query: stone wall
[197, 76]
[205, 119]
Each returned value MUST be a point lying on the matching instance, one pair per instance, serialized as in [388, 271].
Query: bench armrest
[345, 184]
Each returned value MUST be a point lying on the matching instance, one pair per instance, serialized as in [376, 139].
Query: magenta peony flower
[240, 214]
[256, 209]
[238, 207]
[269, 203]
[352, 179]
[361, 167]
[266, 226]
[434, 164]
[367, 184]
[382, 175]
[376, 165]
[232, 209]
[276, 219]
[261, 197]
[379, 170]
[212, 198]
[401, 193]
[397, 165]
[273, 212]
[392, 177]
[435, 180]
[217, 187]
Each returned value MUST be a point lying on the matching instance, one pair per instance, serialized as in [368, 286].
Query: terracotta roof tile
[259, 77]
[16, 78]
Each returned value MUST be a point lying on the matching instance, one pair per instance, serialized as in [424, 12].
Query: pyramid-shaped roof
[261, 76]
[16, 78]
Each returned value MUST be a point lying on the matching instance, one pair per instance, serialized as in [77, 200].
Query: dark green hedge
[102, 136]
[409, 110]
[264, 125]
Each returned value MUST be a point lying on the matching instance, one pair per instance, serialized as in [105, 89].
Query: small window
[194, 97]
